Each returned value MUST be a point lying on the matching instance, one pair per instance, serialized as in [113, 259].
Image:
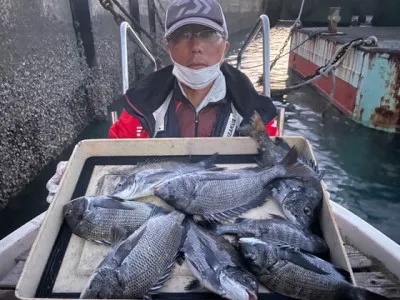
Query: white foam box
[60, 263]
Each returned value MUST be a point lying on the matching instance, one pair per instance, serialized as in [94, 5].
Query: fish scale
[140, 263]
[299, 275]
[99, 220]
[278, 229]
[225, 194]
[145, 176]
[306, 284]
[93, 217]
[151, 257]
[217, 265]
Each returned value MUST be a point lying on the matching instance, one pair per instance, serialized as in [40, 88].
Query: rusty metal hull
[367, 83]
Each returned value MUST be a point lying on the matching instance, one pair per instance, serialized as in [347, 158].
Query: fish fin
[215, 169]
[99, 242]
[192, 285]
[255, 128]
[280, 142]
[294, 168]
[160, 160]
[296, 257]
[160, 283]
[309, 162]
[111, 202]
[290, 158]
[257, 123]
[118, 234]
[279, 217]
[209, 162]
[233, 213]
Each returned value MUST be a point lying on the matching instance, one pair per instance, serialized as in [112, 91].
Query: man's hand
[52, 184]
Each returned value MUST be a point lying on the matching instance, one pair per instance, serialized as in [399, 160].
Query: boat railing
[125, 29]
[124, 52]
[264, 24]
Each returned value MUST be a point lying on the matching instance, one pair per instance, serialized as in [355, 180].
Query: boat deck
[369, 274]
[388, 37]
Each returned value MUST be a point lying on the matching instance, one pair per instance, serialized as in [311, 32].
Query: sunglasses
[181, 36]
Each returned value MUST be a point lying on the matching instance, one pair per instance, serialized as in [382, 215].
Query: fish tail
[357, 293]
[255, 128]
[293, 168]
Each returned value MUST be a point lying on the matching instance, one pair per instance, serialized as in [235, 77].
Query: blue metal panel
[377, 103]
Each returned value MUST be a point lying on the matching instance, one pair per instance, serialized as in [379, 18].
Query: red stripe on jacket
[129, 127]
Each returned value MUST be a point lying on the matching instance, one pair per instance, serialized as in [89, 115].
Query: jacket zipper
[196, 125]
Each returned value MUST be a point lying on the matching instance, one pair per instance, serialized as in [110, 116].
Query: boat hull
[366, 85]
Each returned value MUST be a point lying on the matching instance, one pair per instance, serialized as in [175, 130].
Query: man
[199, 95]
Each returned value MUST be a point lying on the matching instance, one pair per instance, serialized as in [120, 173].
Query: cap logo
[200, 5]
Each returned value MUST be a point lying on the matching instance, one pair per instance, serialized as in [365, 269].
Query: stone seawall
[60, 68]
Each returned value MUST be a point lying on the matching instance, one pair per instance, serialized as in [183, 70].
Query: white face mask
[196, 79]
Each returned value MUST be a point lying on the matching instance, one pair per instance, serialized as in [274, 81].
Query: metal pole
[152, 19]
[263, 22]
[281, 121]
[124, 53]
[266, 51]
[114, 117]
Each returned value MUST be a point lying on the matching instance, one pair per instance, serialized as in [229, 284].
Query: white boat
[373, 244]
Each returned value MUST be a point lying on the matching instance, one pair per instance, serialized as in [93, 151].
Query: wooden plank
[373, 279]
[357, 259]
[380, 283]
[11, 279]
[388, 292]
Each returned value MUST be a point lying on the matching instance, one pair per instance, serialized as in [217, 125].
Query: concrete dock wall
[48, 91]
[59, 69]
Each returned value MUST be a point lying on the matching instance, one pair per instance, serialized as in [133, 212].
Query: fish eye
[307, 210]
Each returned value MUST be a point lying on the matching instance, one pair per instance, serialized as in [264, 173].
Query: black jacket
[147, 95]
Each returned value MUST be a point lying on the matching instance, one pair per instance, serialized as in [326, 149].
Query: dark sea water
[362, 166]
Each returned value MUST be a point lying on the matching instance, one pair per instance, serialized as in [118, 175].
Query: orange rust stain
[384, 117]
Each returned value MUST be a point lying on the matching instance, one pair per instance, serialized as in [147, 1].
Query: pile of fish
[282, 253]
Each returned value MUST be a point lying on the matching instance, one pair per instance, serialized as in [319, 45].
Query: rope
[329, 68]
[297, 23]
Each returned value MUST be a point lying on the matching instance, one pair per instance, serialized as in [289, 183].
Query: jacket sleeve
[127, 127]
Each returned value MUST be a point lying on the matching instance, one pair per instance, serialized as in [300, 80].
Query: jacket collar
[147, 95]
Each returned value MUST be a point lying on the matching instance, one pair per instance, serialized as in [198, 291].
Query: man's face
[196, 46]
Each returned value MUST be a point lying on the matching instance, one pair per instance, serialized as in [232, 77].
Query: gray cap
[204, 12]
